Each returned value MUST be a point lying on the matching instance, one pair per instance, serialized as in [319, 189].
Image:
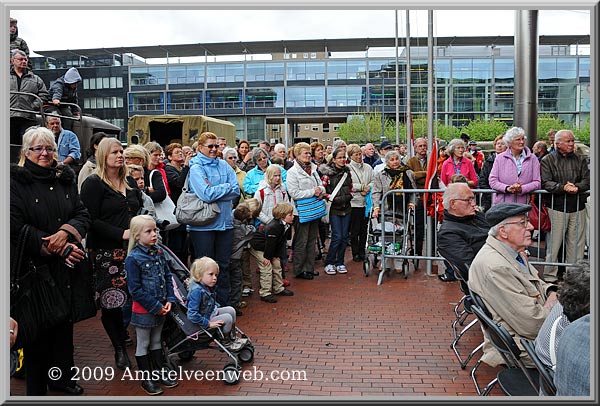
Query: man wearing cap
[64, 90]
[384, 148]
[478, 155]
[510, 287]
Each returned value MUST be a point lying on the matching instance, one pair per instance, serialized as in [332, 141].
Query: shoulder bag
[165, 210]
[36, 302]
[193, 211]
[325, 218]
[311, 208]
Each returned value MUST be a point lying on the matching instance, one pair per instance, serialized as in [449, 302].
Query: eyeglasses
[211, 146]
[231, 157]
[468, 199]
[523, 223]
[39, 150]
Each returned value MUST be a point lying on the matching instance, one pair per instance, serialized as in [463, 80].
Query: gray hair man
[566, 175]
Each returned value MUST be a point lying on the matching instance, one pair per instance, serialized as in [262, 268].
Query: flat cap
[502, 211]
[385, 145]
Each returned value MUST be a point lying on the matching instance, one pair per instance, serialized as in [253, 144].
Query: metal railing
[537, 250]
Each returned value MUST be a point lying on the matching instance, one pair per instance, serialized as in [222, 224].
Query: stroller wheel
[246, 354]
[231, 374]
[186, 355]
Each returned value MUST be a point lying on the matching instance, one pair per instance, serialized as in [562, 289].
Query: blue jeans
[339, 239]
[216, 245]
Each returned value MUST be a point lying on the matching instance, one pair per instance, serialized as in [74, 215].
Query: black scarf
[41, 173]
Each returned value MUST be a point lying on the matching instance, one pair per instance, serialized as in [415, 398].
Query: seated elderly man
[510, 287]
[463, 231]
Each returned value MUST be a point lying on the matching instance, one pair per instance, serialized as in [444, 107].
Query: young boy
[268, 246]
[242, 234]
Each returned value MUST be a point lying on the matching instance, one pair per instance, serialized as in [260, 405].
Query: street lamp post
[382, 107]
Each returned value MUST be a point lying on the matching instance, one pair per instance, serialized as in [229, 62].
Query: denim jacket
[201, 304]
[149, 277]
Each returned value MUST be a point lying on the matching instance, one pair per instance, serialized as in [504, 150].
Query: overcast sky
[64, 29]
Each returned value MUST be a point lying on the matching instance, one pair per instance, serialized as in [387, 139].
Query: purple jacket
[504, 173]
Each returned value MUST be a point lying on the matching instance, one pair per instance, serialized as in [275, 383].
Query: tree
[484, 130]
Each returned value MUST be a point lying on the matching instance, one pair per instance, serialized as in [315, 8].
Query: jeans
[339, 239]
[216, 245]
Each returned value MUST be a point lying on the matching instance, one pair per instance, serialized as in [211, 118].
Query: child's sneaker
[341, 269]
[285, 283]
[330, 269]
[247, 291]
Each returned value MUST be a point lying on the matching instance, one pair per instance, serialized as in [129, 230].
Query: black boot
[159, 365]
[116, 335]
[121, 358]
[148, 385]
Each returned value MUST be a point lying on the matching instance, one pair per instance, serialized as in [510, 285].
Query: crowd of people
[106, 217]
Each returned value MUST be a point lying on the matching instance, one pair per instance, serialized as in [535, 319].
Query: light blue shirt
[68, 145]
[519, 161]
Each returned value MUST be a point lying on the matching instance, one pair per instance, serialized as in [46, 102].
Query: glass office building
[471, 82]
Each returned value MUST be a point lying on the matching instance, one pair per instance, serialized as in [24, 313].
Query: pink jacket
[466, 168]
[504, 173]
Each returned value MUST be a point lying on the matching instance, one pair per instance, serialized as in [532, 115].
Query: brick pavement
[350, 336]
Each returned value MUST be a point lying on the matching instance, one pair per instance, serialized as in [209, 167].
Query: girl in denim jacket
[203, 308]
[151, 288]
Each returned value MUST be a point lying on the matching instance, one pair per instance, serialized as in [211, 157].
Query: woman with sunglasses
[230, 156]
[44, 197]
[213, 180]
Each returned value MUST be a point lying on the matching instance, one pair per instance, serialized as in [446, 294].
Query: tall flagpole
[408, 112]
[397, 84]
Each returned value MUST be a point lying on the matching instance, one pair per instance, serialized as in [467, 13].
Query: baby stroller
[181, 337]
[395, 238]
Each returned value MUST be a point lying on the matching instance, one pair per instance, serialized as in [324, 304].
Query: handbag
[310, 208]
[82, 291]
[193, 211]
[325, 218]
[36, 302]
[539, 217]
[165, 210]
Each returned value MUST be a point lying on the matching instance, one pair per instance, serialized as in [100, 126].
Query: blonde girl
[151, 288]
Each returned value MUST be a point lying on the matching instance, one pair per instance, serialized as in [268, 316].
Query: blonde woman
[111, 203]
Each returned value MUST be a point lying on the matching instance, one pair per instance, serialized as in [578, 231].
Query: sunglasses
[211, 146]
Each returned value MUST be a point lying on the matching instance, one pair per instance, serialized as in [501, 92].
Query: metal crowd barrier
[537, 250]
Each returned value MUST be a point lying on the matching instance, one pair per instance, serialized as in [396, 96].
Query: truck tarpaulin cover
[192, 126]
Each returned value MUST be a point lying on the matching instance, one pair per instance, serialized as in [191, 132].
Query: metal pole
[526, 73]
[408, 100]
[430, 96]
[382, 106]
[397, 82]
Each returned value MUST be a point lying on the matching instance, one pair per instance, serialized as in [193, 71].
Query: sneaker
[247, 291]
[242, 305]
[330, 269]
[341, 269]
[285, 292]
[268, 299]
[285, 283]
